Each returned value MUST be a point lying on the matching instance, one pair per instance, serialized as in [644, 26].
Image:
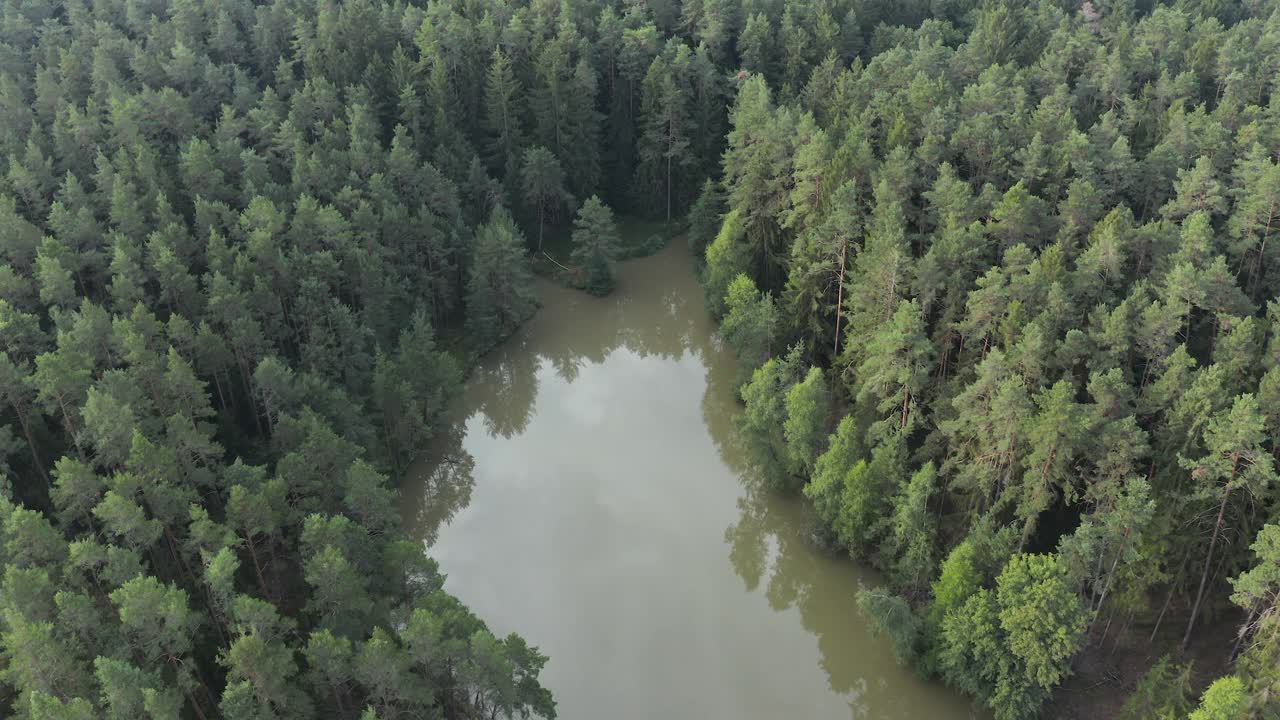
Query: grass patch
[638, 236]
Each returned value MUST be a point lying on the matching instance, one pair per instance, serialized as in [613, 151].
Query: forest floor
[1106, 674]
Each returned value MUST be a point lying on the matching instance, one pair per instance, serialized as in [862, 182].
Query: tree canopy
[999, 274]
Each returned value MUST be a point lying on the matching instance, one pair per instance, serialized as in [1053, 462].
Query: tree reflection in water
[767, 538]
[445, 482]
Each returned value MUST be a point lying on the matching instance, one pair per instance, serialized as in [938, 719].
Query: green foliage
[542, 181]
[503, 100]
[806, 423]
[667, 121]
[1044, 620]
[750, 324]
[1010, 647]
[1052, 307]
[1226, 698]
[413, 387]
[852, 495]
[764, 416]
[957, 582]
[892, 616]
[727, 258]
[1058, 435]
[908, 544]
[500, 286]
[1257, 590]
[891, 376]
[595, 245]
[1028, 247]
[827, 482]
[1164, 691]
[705, 218]
[231, 244]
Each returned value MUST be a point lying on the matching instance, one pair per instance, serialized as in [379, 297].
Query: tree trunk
[31, 443]
[337, 698]
[195, 705]
[217, 384]
[1111, 574]
[835, 347]
[71, 429]
[1244, 630]
[1169, 598]
[175, 663]
[257, 566]
[1208, 561]
[1106, 629]
[172, 542]
[1093, 593]
[668, 186]
[1257, 264]
[1123, 629]
[247, 378]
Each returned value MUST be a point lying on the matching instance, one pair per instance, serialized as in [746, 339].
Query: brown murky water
[593, 498]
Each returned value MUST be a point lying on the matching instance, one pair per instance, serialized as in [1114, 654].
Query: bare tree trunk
[257, 566]
[337, 698]
[247, 377]
[217, 384]
[1123, 629]
[71, 430]
[172, 542]
[195, 705]
[1256, 272]
[1244, 630]
[175, 663]
[1111, 574]
[668, 187]
[1106, 629]
[1093, 594]
[1169, 598]
[835, 348]
[1208, 561]
[31, 443]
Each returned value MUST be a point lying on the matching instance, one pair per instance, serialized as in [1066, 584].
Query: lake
[594, 499]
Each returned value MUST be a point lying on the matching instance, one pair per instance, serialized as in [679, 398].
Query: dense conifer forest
[999, 275]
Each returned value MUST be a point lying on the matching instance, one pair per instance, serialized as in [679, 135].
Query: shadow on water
[557, 494]
[445, 484]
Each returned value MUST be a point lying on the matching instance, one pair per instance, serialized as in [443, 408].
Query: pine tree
[806, 423]
[1032, 621]
[756, 45]
[881, 274]
[891, 378]
[664, 142]
[595, 245]
[727, 257]
[503, 112]
[543, 181]
[500, 285]
[1256, 188]
[911, 532]
[1235, 462]
[750, 324]
[756, 171]
[1058, 436]
[704, 218]
[1225, 698]
[765, 414]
